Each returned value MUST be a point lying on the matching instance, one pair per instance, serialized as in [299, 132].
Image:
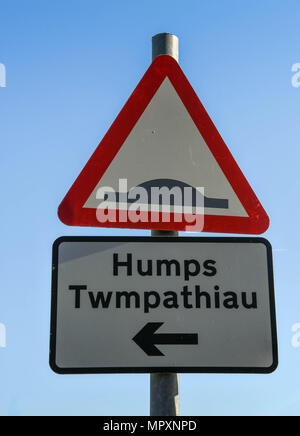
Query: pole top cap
[165, 44]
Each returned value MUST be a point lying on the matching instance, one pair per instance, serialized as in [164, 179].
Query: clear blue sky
[71, 65]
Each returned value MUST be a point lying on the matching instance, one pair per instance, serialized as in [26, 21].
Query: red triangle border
[71, 211]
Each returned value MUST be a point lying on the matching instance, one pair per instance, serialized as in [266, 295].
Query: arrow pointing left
[146, 339]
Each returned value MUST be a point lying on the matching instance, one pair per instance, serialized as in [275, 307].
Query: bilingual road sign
[138, 304]
[163, 165]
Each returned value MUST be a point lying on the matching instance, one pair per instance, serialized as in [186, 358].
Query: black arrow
[146, 338]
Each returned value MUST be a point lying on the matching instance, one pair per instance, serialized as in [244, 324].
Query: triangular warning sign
[163, 165]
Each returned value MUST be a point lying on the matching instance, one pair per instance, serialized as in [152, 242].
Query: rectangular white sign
[141, 304]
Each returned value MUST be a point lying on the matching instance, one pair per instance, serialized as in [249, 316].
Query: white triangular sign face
[166, 145]
[163, 139]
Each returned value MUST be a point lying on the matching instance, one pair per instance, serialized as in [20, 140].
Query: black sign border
[139, 370]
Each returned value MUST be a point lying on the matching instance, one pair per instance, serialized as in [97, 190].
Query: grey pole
[165, 43]
[164, 387]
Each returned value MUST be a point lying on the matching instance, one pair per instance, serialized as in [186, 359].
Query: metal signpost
[164, 387]
[163, 304]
